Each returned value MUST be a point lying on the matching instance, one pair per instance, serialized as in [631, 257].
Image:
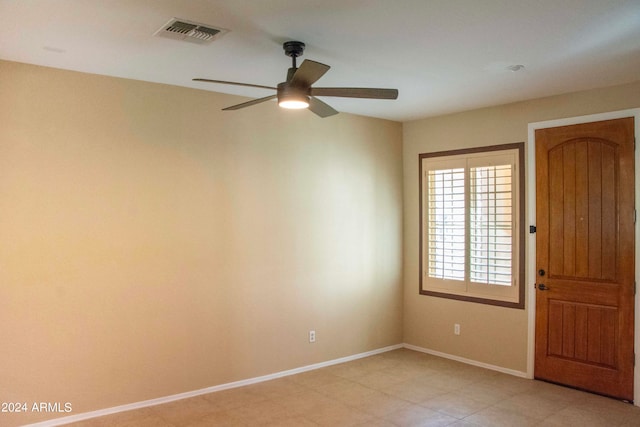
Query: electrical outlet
[312, 336]
[456, 329]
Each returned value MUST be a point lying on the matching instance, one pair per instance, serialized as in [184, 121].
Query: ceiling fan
[296, 92]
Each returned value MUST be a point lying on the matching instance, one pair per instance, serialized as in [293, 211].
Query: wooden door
[585, 256]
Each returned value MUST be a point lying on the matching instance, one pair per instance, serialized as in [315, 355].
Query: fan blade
[308, 73]
[320, 108]
[233, 83]
[250, 103]
[355, 92]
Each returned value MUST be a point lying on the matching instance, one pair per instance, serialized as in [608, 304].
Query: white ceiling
[442, 55]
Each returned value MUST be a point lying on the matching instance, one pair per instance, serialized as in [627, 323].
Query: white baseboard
[167, 399]
[174, 397]
[467, 361]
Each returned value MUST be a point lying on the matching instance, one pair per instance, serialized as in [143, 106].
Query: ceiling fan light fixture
[292, 97]
[294, 104]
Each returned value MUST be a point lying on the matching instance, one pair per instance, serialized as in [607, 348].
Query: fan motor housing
[288, 92]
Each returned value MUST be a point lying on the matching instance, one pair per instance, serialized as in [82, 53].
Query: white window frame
[464, 288]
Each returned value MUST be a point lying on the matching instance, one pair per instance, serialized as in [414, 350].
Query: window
[472, 225]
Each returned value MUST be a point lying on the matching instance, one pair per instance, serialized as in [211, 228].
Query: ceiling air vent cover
[181, 29]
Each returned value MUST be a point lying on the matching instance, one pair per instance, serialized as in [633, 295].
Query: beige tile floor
[398, 388]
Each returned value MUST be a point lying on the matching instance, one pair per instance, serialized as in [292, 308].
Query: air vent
[181, 29]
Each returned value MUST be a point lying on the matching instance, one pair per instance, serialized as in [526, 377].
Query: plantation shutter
[446, 223]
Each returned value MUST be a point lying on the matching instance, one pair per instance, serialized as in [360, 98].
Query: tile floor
[398, 388]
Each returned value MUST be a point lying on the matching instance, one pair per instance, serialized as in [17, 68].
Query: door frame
[531, 220]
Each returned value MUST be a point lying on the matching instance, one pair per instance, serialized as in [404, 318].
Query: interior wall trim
[513, 372]
[159, 401]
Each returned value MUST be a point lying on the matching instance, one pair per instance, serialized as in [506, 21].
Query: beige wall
[492, 335]
[151, 244]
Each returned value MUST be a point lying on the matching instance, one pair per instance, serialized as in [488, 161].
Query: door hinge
[635, 215]
[532, 229]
